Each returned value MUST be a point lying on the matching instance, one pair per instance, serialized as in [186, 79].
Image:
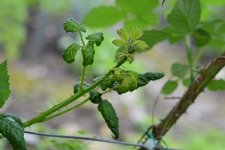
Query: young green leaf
[201, 37]
[72, 25]
[169, 87]
[120, 55]
[110, 117]
[123, 34]
[96, 37]
[216, 85]
[88, 53]
[4, 83]
[179, 70]
[103, 16]
[185, 16]
[70, 53]
[129, 82]
[138, 46]
[11, 127]
[129, 58]
[95, 96]
[136, 33]
[119, 42]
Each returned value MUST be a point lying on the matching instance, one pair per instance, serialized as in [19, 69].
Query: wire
[92, 139]
[87, 138]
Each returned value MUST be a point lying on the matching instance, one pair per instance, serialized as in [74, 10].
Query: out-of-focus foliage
[141, 13]
[13, 14]
[4, 86]
[195, 140]
[13, 19]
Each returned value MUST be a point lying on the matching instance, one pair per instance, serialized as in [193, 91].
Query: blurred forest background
[32, 39]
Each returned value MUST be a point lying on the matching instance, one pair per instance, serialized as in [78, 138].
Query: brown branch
[205, 76]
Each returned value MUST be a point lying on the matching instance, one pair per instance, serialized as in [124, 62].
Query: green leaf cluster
[123, 81]
[69, 54]
[129, 44]
[116, 79]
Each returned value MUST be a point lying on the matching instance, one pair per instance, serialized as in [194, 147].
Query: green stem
[84, 67]
[189, 54]
[42, 116]
[81, 37]
[74, 107]
[206, 75]
[67, 110]
[82, 78]
[199, 55]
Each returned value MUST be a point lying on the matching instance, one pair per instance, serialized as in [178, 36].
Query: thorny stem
[206, 75]
[42, 116]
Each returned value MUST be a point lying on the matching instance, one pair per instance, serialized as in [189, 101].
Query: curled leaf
[70, 53]
[76, 86]
[96, 37]
[144, 79]
[121, 55]
[138, 46]
[88, 53]
[119, 42]
[129, 82]
[71, 25]
[110, 117]
[123, 34]
[95, 96]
